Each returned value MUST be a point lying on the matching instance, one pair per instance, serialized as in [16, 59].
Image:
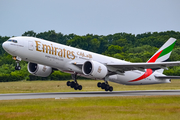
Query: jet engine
[95, 69]
[39, 70]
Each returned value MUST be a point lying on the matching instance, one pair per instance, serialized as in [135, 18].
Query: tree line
[125, 46]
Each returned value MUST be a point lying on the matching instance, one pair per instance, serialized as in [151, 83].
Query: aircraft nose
[5, 46]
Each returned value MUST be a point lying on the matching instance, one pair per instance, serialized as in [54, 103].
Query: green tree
[113, 49]
[29, 33]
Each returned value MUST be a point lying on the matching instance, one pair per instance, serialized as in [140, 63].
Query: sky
[81, 17]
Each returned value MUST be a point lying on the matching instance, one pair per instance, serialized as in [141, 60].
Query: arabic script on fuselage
[82, 54]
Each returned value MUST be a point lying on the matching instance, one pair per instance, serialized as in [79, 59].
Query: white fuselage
[62, 58]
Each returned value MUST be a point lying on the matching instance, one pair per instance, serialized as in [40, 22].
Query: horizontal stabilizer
[167, 77]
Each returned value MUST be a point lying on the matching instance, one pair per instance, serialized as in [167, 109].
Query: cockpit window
[15, 41]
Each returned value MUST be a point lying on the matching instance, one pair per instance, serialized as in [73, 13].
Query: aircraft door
[30, 45]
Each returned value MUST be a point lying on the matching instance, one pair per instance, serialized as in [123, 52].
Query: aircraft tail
[163, 53]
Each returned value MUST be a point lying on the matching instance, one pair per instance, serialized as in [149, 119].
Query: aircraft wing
[114, 67]
[167, 77]
[142, 66]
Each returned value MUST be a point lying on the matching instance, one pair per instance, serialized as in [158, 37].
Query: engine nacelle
[39, 70]
[95, 69]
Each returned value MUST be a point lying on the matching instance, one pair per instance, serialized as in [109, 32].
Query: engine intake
[95, 69]
[39, 70]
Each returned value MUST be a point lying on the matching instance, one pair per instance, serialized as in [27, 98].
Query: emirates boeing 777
[44, 56]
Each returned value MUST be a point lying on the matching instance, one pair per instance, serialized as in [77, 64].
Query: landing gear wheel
[106, 87]
[80, 87]
[75, 88]
[103, 86]
[110, 88]
[73, 84]
[18, 68]
[99, 84]
[68, 83]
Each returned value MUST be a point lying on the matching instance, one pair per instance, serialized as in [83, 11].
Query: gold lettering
[83, 55]
[68, 53]
[64, 52]
[90, 56]
[55, 50]
[99, 69]
[60, 53]
[37, 46]
[73, 55]
[78, 53]
[52, 49]
[47, 47]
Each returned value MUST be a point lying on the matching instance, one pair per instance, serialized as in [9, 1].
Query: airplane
[44, 57]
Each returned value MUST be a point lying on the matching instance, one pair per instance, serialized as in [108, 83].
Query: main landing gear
[74, 83]
[105, 86]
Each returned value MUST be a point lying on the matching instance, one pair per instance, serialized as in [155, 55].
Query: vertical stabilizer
[163, 53]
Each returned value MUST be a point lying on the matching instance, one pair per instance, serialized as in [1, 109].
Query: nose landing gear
[17, 67]
[17, 59]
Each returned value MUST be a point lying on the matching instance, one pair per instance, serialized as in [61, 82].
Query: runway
[65, 95]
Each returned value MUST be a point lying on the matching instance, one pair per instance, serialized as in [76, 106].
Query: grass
[106, 108]
[96, 108]
[88, 85]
